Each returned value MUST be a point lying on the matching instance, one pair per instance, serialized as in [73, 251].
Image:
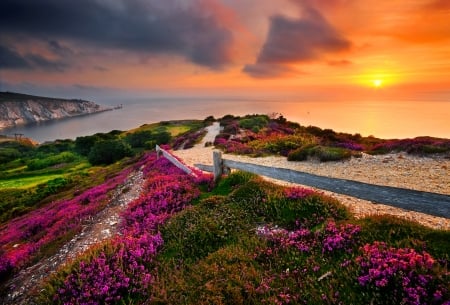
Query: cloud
[10, 59]
[438, 5]
[194, 29]
[267, 70]
[57, 48]
[301, 40]
[39, 62]
[339, 63]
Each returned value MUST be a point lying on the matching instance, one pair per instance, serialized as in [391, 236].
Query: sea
[383, 119]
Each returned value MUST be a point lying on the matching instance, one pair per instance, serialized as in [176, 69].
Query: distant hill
[18, 108]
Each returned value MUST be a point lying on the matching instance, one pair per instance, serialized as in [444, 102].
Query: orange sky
[317, 48]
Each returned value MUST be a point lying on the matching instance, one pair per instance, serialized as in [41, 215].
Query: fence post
[158, 151]
[217, 164]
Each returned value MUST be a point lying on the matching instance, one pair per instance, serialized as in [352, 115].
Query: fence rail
[424, 202]
[173, 160]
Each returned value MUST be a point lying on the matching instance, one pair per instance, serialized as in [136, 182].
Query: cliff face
[16, 109]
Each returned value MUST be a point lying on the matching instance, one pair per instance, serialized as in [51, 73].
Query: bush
[306, 211]
[83, 145]
[56, 147]
[64, 157]
[323, 153]
[161, 136]
[420, 145]
[222, 277]
[108, 152]
[326, 154]
[202, 229]
[55, 185]
[299, 154]
[254, 123]
[8, 154]
[139, 138]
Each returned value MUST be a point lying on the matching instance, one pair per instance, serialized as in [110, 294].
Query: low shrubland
[248, 241]
[258, 135]
[244, 241]
[48, 192]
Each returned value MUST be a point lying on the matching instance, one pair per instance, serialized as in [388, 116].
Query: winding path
[418, 201]
[97, 229]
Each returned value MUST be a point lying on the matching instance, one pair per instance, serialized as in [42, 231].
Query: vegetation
[46, 183]
[251, 242]
[258, 135]
[108, 152]
[185, 241]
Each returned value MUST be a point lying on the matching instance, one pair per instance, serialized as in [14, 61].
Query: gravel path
[97, 229]
[396, 170]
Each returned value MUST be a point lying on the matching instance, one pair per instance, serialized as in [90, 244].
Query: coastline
[6, 127]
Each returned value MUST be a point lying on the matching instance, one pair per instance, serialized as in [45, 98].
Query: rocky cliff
[18, 108]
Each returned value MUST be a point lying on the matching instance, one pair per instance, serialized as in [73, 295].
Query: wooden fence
[172, 159]
[425, 202]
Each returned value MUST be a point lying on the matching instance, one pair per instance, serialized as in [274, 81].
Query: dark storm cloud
[56, 48]
[298, 40]
[39, 62]
[10, 59]
[186, 28]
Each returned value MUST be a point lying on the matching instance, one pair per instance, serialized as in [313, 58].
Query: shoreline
[3, 127]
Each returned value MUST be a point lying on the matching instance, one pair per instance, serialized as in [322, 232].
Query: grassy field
[27, 182]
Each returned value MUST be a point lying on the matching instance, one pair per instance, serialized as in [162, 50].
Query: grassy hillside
[188, 241]
[248, 241]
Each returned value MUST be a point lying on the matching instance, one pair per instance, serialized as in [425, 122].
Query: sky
[310, 49]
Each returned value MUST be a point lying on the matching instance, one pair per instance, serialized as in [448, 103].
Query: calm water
[385, 119]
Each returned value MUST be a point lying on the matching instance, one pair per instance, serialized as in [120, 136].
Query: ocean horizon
[382, 119]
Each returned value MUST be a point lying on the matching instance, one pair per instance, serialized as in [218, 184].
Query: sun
[377, 83]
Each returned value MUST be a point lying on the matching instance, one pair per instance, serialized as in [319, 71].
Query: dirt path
[99, 228]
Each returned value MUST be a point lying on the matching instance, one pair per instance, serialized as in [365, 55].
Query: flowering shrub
[189, 139]
[112, 275]
[420, 145]
[298, 192]
[339, 237]
[331, 238]
[212, 255]
[23, 237]
[405, 275]
[278, 143]
[124, 270]
[350, 145]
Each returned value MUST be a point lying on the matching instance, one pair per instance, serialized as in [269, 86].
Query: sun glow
[377, 83]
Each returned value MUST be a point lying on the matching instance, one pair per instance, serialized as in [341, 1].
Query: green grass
[27, 182]
[175, 128]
